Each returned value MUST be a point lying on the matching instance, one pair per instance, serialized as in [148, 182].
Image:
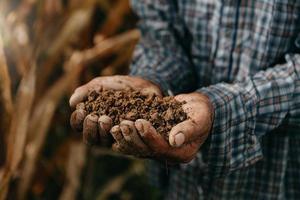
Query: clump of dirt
[163, 113]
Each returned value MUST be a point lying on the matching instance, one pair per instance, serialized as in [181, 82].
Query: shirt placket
[224, 41]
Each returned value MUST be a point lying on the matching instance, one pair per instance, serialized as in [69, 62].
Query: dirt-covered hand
[140, 138]
[96, 129]
[198, 125]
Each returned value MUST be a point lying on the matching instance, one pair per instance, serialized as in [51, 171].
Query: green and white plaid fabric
[245, 55]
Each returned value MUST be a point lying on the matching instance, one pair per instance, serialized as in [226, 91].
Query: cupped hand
[140, 138]
[95, 128]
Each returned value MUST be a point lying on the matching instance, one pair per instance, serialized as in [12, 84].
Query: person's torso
[228, 41]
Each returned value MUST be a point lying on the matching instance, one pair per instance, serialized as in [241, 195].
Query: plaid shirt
[245, 56]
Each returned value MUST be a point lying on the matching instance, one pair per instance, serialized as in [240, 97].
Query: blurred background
[47, 49]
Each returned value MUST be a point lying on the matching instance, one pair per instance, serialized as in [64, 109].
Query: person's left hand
[140, 138]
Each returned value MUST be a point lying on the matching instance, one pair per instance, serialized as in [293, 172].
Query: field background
[47, 49]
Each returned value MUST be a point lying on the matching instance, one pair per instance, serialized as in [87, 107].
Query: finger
[104, 126]
[189, 97]
[120, 145]
[145, 87]
[192, 97]
[117, 134]
[79, 95]
[77, 119]
[115, 147]
[131, 136]
[124, 83]
[182, 97]
[123, 147]
[150, 137]
[160, 148]
[114, 83]
[110, 82]
[96, 84]
[120, 141]
[90, 129]
[184, 154]
[148, 91]
[184, 133]
[128, 129]
[119, 148]
[81, 92]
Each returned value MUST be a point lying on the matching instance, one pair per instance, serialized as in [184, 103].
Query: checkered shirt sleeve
[167, 65]
[245, 111]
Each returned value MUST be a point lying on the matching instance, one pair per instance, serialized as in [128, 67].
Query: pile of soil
[163, 113]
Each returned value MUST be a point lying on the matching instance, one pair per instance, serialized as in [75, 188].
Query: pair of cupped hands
[139, 138]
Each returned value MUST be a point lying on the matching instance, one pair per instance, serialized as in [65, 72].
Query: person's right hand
[96, 129]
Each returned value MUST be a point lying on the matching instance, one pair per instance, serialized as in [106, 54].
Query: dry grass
[47, 48]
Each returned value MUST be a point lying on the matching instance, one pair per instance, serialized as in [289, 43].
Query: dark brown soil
[163, 113]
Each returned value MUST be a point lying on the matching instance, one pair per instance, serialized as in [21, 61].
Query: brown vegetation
[47, 48]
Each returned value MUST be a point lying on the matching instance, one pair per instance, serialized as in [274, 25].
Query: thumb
[79, 95]
[183, 133]
[149, 135]
[151, 91]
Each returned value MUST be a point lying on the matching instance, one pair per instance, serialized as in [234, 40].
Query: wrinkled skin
[96, 130]
[140, 138]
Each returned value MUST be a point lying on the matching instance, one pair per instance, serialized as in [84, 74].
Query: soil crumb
[163, 113]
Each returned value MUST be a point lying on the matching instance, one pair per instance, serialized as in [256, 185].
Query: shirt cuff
[232, 143]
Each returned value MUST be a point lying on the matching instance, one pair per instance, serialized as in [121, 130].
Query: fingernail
[125, 129]
[90, 130]
[71, 101]
[104, 126]
[102, 130]
[77, 119]
[74, 99]
[116, 132]
[140, 127]
[105, 119]
[172, 141]
[93, 117]
[179, 139]
[105, 122]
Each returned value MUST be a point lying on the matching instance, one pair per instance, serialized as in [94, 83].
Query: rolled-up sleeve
[245, 111]
[159, 56]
